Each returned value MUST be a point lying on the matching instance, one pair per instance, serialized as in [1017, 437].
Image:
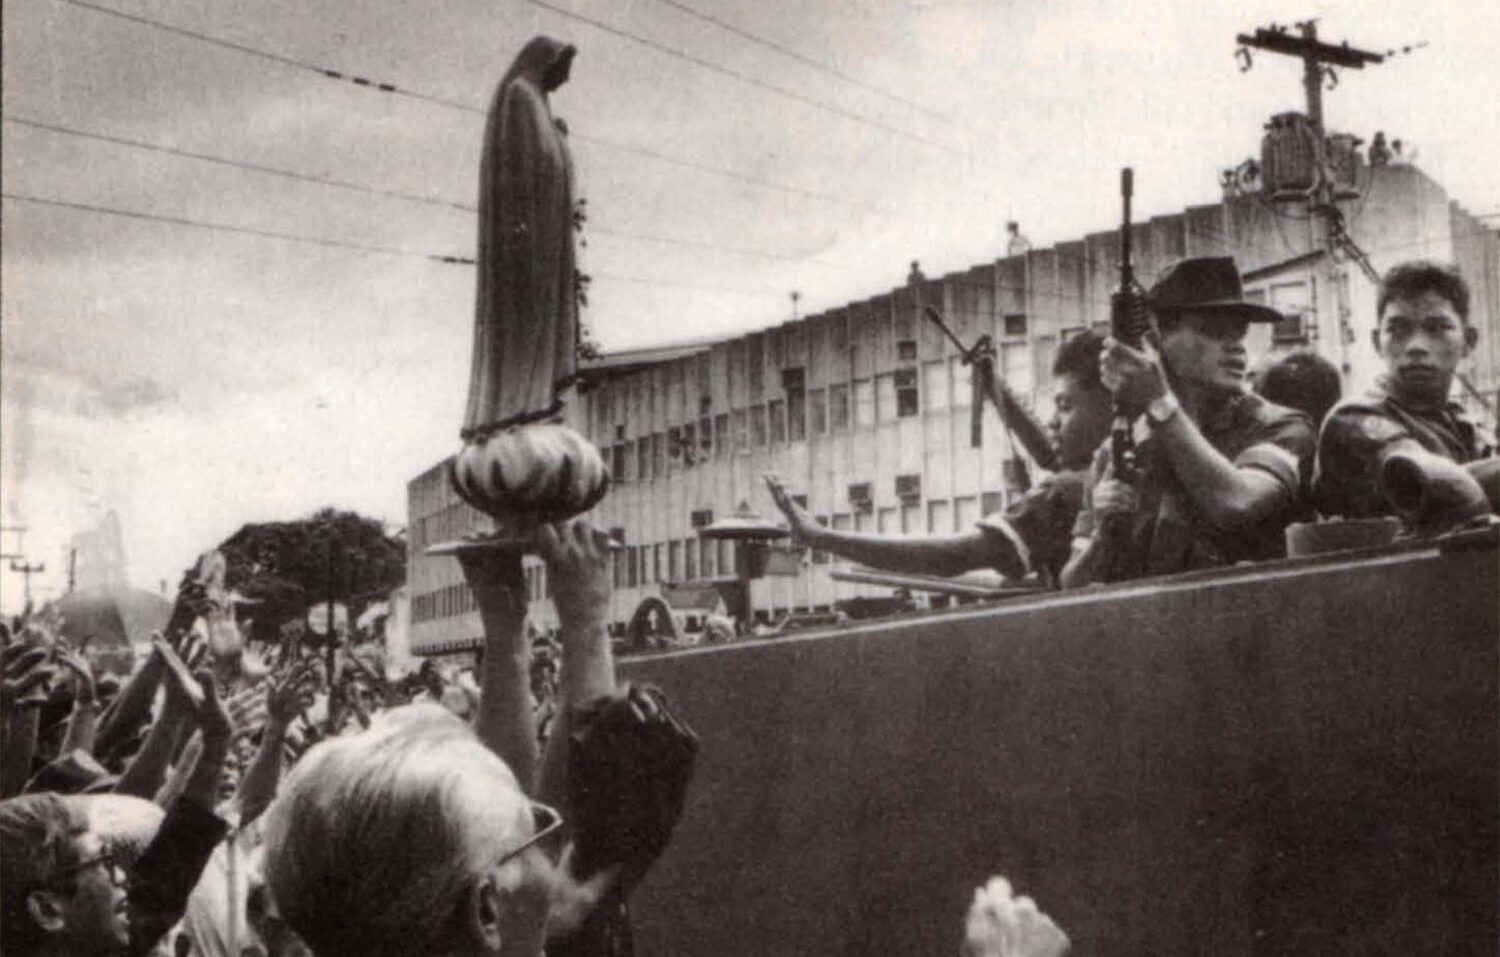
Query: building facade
[864, 410]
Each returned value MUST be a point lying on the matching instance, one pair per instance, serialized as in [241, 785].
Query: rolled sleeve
[1034, 533]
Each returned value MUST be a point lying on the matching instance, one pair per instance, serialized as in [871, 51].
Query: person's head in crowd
[1301, 380]
[410, 838]
[1082, 406]
[1422, 330]
[60, 890]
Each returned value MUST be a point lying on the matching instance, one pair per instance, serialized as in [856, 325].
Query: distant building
[865, 408]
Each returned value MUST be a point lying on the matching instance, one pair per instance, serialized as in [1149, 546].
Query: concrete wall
[1298, 758]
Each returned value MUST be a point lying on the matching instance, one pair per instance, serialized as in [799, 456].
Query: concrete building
[865, 409]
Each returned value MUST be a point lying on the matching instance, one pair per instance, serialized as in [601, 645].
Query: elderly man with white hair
[417, 836]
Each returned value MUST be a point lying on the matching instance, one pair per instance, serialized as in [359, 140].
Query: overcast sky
[194, 380]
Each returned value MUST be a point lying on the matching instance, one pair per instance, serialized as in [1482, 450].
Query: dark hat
[1208, 284]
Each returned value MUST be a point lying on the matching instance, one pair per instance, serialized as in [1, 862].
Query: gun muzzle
[1432, 493]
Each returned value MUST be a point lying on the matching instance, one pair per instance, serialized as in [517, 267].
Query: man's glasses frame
[547, 821]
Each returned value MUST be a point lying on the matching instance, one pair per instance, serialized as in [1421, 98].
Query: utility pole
[1318, 60]
[26, 571]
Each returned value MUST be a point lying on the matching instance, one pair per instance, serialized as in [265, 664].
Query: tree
[288, 566]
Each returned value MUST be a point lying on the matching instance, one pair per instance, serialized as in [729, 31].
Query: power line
[799, 57]
[394, 194]
[238, 164]
[742, 77]
[325, 72]
[357, 247]
[402, 91]
[215, 227]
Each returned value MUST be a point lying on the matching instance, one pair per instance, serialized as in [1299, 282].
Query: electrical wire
[408, 93]
[394, 194]
[746, 78]
[801, 58]
[356, 247]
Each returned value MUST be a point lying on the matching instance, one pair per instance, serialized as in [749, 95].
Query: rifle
[1129, 322]
[1022, 425]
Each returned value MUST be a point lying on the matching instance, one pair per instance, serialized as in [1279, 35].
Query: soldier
[1423, 332]
[1218, 466]
[1033, 534]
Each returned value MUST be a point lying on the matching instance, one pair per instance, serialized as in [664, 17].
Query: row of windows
[684, 559]
[671, 385]
[445, 525]
[457, 599]
[835, 409]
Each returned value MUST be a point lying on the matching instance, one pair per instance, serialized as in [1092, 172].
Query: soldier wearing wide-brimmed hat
[1219, 466]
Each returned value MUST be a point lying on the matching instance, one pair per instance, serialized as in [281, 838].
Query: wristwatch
[1161, 409]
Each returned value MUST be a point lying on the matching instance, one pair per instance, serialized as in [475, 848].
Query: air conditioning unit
[702, 518]
[906, 378]
[618, 534]
[909, 488]
[793, 379]
[862, 497]
[705, 403]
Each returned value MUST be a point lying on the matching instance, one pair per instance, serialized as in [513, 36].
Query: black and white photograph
[620, 478]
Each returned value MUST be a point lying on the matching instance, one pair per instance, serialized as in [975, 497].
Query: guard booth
[1300, 757]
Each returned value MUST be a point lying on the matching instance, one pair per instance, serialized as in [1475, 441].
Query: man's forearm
[950, 555]
[258, 786]
[588, 673]
[146, 770]
[130, 708]
[203, 785]
[20, 734]
[504, 720]
[82, 725]
[1226, 495]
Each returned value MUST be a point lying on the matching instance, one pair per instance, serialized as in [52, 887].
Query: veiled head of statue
[546, 62]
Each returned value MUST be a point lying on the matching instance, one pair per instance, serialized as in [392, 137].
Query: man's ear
[482, 916]
[1471, 338]
[46, 910]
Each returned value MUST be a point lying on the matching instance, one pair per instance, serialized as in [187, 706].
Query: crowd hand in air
[803, 525]
[1000, 925]
[27, 675]
[292, 693]
[84, 687]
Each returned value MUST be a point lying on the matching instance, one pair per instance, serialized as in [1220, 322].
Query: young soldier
[1422, 333]
[1218, 466]
[1033, 534]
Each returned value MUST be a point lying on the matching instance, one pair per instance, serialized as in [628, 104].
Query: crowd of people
[233, 800]
[1222, 469]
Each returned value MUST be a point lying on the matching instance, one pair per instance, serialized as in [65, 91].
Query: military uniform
[1346, 482]
[1034, 534]
[1166, 533]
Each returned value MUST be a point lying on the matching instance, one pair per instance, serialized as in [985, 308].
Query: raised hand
[83, 675]
[577, 556]
[999, 925]
[292, 693]
[212, 713]
[27, 676]
[804, 526]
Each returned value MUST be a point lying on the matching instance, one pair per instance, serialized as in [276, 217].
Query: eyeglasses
[545, 820]
[104, 859]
